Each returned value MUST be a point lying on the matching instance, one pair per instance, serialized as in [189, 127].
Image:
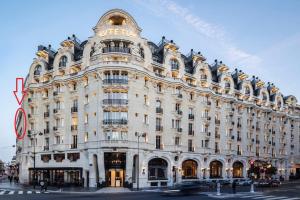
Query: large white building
[90, 102]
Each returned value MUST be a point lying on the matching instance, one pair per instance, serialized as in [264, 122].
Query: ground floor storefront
[60, 176]
[123, 168]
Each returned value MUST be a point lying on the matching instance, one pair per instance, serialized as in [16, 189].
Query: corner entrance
[116, 177]
[115, 164]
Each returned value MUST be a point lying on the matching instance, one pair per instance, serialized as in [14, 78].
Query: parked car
[189, 187]
[274, 183]
[262, 183]
[225, 182]
[244, 182]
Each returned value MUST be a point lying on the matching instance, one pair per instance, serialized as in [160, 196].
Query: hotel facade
[117, 108]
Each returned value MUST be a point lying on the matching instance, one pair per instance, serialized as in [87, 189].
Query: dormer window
[174, 64]
[279, 104]
[264, 97]
[117, 20]
[247, 91]
[63, 61]
[227, 85]
[37, 70]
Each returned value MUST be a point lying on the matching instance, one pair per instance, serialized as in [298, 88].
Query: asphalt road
[290, 191]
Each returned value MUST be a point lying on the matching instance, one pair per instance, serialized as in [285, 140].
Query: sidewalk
[229, 195]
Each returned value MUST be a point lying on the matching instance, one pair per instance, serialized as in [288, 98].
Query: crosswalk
[266, 197]
[19, 192]
[254, 196]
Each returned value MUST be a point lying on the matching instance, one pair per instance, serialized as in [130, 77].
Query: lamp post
[138, 135]
[34, 145]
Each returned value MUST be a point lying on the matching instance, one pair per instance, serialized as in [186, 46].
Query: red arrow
[19, 94]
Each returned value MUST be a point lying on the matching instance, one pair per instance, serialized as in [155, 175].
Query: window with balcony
[74, 142]
[57, 139]
[74, 108]
[115, 117]
[46, 144]
[116, 47]
[115, 77]
[158, 124]
[177, 140]
[116, 135]
[158, 144]
[191, 130]
[115, 98]
[190, 146]
[74, 124]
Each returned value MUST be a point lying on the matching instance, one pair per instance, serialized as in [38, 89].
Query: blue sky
[260, 37]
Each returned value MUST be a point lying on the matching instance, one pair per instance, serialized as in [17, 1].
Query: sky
[260, 37]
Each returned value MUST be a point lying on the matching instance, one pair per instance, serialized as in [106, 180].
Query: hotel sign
[117, 31]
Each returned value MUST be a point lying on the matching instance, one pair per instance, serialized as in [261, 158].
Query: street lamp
[34, 145]
[138, 158]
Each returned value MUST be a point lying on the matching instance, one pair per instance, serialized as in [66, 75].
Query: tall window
[63, 61]
[158, 142]
[37, 70]
[177, 140]
[74, 142]
[174, 64]
[158, 122]
[158, 104]
[190, 146]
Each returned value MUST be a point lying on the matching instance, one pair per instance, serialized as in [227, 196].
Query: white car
[244, 182]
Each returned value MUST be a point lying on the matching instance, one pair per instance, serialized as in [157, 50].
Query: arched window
[37, 70]
[227, 85]
[189, 169]
[117, 20]
[237, 169]
[63, 61]
[247, 90]
[216, 168]
[265, 97]
[174, 64]
[158, 104]
[157, 169]
[278, 103]
[203, 76]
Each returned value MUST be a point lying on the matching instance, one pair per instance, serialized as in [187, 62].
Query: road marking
[276, 198]
[247, 196]
[11, 192]
[20, 192]
[2, 192]
[294, 198]
[29, 192]
[262, 197]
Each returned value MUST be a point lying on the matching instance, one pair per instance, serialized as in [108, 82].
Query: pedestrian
[42, 184]
[10, 179]
[46, 185]
[234, 186]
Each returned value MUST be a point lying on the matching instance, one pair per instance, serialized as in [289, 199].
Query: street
[287, 191]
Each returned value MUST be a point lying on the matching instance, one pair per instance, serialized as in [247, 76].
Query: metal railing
[115, 81]
[116, 50]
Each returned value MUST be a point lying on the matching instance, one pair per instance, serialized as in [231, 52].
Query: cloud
[209, 30]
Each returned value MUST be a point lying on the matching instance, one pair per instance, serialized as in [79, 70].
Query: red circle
[20, 137]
